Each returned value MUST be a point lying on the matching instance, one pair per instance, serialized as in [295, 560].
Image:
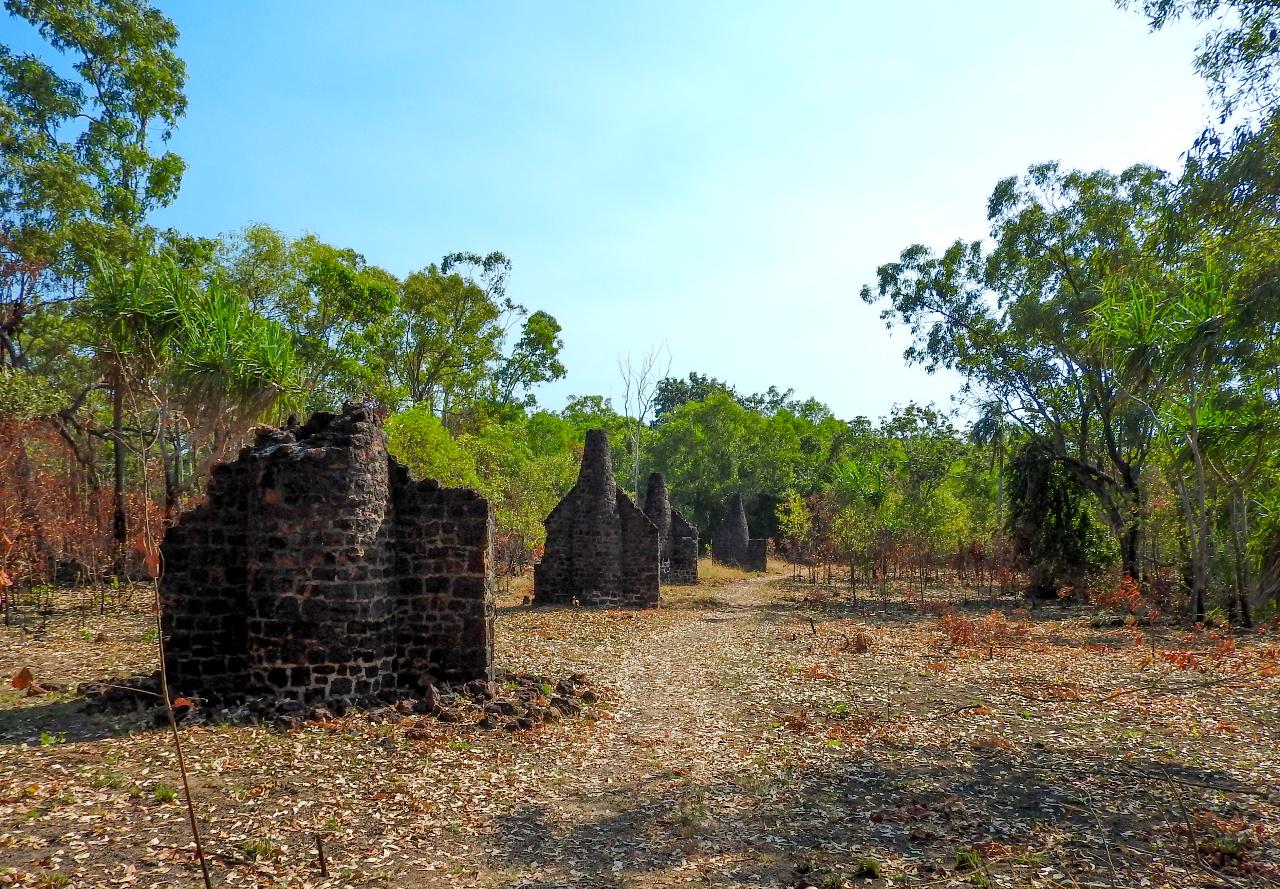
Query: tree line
[1122, 327]
[1116, 334]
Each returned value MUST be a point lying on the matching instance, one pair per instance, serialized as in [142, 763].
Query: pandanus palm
[231, 366]
[1169, 348]
[201, 350]
[134, 316]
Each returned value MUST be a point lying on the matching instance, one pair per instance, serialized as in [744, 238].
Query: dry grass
[713, 574]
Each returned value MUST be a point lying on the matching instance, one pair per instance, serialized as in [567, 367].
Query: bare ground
[750, 734]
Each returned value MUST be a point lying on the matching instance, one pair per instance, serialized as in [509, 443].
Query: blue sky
[720, 176]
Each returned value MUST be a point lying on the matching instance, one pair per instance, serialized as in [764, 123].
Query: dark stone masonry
[732, 543]
[678, 540]
[318, 570]
[600, 549]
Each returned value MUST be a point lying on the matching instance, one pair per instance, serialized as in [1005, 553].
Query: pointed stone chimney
[657, 506]
[597, 491]
[600, 549]
[732, 543]
[679, 539]
[735, 523]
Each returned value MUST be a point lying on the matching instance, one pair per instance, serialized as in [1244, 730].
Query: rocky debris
[122, 694]
[566, 706]
[502, 708]
[479, 689]
[512, 701]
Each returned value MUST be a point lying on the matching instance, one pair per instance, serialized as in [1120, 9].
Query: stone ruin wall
[683, 565]
[732, 543]
[317, 569]
[678, 552]
[600, 549]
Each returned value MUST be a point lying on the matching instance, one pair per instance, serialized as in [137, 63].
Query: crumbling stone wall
[600, 549]
[678, 552]
[732, 543]
[317, 569]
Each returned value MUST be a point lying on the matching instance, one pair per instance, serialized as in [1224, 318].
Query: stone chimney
[657, 506]
[732, 543]
[679, 539]
[735, 523]
[600, 549]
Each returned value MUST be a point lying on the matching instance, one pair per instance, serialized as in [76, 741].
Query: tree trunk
[119, 518]
[30, 514]
[172, 497]
[1239, 574]
[1131, 550]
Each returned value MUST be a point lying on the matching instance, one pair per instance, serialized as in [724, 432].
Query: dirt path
[644, 805]
[687, 662]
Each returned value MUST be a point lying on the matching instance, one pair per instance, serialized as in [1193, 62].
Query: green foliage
[1238, 57]
[229, 359]
[437, 338]
[713, 448]
[867, 868]
[1051, 524]
[523, 467]
[452, 332]
[1015, 319]
[420, 440]
[25, 396]
[223, 362]
[534, 359]
[254, 848]
[80, 166]
[338, 311]
[795, 521]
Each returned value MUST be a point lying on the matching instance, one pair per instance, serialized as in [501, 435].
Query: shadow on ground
[68, 720]
[1089, 820]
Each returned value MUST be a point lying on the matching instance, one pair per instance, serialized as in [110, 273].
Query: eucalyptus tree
[1014, 319]
[452, 329]
[672, 392]
[1232, 177]
[533, 359]
[82, 158]
[83, 128]
[1239, 54]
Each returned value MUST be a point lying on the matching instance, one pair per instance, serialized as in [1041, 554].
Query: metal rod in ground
[324, 867]
[177, 740]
